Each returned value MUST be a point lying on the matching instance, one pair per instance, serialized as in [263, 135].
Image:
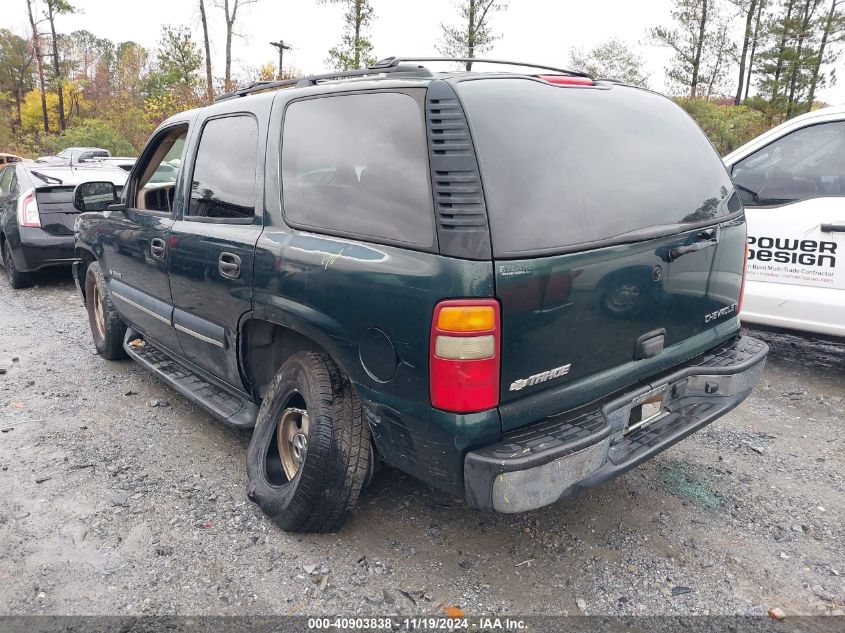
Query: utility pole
[282, 47]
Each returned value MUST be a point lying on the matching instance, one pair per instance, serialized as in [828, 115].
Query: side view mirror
[94, 196]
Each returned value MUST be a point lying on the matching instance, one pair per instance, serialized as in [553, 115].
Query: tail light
[28, 210]
[742, 285]
[464, 355]
[567, 80]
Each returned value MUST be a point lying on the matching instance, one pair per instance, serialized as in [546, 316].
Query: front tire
[16, 278]
[312, 406]
[107, 328]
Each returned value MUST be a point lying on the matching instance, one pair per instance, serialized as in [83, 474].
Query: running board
[226, 405]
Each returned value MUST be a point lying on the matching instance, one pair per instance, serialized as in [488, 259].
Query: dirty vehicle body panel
[321, 269]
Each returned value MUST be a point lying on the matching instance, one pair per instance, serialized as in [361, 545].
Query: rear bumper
[537, 465]
[38, 249]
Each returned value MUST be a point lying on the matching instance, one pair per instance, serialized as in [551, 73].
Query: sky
[539, 31]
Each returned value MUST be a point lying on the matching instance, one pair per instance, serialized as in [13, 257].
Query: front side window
[156, 188]
[223, 184]
[807, 163]
[358, 165]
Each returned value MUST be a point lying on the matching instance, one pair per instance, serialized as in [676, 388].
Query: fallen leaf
[453, 612]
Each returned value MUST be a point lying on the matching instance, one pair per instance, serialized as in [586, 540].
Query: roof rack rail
[311, 80]
[397, 61]
[408, 66]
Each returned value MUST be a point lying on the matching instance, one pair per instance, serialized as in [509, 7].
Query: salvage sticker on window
[789, 260]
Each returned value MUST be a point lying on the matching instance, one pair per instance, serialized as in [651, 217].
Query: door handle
[229, 265]
[158, 248]
[835, 227]
[703, 239]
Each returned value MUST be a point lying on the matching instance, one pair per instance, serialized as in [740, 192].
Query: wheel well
[265, 347]
[85, 260]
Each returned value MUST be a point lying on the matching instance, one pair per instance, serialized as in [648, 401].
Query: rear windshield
[563, 167]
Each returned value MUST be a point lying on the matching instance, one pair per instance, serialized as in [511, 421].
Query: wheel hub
[292, 440]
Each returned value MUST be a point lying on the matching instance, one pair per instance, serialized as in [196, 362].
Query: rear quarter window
[357, 165]
[566, 166]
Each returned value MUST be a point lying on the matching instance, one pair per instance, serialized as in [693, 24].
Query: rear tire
[107, 328]
[16, 278]
[324, 488]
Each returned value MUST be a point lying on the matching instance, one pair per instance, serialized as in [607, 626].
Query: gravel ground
[121, 497]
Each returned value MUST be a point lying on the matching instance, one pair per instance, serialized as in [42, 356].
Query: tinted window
[805, 164]
[358, 165]
[223, 185]
[568, 166]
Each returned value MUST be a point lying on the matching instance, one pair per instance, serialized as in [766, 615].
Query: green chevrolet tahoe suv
[511, 286]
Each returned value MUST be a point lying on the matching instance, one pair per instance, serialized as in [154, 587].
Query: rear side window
[223, 184]
[563, 167]
[6, 180]
[358, 165]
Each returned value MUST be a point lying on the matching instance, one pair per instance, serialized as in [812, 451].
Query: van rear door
[617, 238]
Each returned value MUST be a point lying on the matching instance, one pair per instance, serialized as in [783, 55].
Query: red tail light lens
[28, 210]
[742, 285]
[464, 355]
[567, 80]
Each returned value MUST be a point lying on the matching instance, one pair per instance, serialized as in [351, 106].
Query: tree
[687, 40]
[39, 59]
[727, 127]
[473, 35]
[179, 57]
[612, 59]
[749, 7]
[96, 133]
[834, 26]
[16, 57]
[703, 50]
[356, 49]
[81, 52]
[791, 68]
[54, 8]
[774, 59]
[801, 54]
[32, 111]
[230, 26]
[209, 80]
[722, 52]
[130, 65]
[755, 41]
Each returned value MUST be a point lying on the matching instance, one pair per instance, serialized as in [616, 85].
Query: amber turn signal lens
[466, 319]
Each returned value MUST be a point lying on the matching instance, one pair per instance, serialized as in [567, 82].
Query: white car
[792, 182]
